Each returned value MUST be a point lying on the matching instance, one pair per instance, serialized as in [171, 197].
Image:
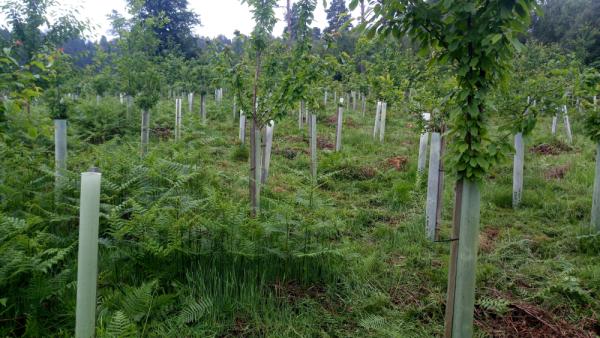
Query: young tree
[479, 38]
[27, 18]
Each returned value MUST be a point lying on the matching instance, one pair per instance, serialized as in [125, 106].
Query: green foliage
[478, 38]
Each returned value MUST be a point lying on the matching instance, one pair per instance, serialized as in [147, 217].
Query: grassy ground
[347, 258]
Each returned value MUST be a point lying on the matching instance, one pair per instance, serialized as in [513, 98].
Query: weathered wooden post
[433, 185]
[377, 119]
[242, 133]
[87, 257]
[382, 122]
[269, 128]
[338, 131]
[313, 146]
[518, 163]
[145, 130]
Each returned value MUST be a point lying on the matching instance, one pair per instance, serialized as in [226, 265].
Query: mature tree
[27, 18]
[172, 23]
[338, 17]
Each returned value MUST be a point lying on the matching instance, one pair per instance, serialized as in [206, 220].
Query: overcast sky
[217, 16]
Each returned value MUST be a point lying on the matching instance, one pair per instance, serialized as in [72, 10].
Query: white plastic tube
[87, 257]
[269, 129]
[432, 185]
[382, 122]
[518, 165]
[242, 132]
[338, 133]
[377, 119]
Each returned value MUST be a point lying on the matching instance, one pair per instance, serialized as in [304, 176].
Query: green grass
[179, 255]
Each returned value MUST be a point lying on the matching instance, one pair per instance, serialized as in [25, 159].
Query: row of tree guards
[464, 254]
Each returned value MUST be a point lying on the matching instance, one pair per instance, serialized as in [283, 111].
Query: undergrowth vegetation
[347, 256]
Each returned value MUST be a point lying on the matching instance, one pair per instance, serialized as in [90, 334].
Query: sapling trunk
[433, 185]
[382, 123]
[338, 132]
[87, 257]
[596, 197]
[313, 146]
[60, 154]
[519, 160]
[377, 119]
[466, 261]
[422, 161]
[269, 129]
[145, 131]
